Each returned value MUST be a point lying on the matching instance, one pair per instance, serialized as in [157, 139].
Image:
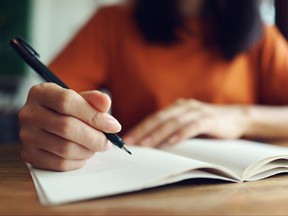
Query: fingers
[60, 129]
[164, 125]
[70, 103]
[69, 128]
[176, 129]
[184, 119]
[35, 157]
[99, 100]
[194, 128]
[55, 145]
[188, 119]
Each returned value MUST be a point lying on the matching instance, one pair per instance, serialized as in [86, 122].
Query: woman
[175, 70]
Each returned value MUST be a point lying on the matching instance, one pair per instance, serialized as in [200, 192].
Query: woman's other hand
[189, 118]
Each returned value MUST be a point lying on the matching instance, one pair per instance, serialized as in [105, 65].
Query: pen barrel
[115, 139]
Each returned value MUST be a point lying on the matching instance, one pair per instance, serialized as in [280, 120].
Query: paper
[115, 172]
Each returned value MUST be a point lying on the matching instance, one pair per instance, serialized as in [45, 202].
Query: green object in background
[14, 17]
[14, 20]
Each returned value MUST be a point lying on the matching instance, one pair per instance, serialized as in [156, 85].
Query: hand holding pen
[60, 128]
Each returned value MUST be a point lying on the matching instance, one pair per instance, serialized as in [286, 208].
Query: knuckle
[192, 100]
[38, 90]
[171, 125]
[34, 91]
[22, 114]
[162, 131]
[194, 103]
[25, 114]
[159, 116]
[45, 85]
[175, 122]
[65, 149]
[23, 136]
[65, 100]
[64, 125]
[90, 154]
[62, 165]
[180, 101]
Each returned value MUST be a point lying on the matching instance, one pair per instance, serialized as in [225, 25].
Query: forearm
[267, 122]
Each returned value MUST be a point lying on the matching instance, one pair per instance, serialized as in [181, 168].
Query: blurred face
[190, 7]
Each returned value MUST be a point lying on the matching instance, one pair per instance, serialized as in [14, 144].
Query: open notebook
[115, 172]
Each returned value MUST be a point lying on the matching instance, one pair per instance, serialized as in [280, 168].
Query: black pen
[30, 56]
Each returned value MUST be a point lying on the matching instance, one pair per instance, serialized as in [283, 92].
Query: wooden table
[265, 197]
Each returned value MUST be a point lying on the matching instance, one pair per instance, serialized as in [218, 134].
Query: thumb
[97, 99]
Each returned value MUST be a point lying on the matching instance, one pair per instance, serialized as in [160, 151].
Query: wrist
[249, 122]
[266, 122]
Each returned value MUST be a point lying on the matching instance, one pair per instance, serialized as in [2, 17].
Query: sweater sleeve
[83, 64]
[273, 62]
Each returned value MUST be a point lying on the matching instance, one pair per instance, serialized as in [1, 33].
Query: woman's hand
[60, 128]
[189, 118]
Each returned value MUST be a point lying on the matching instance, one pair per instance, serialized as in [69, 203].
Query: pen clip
[27, 47]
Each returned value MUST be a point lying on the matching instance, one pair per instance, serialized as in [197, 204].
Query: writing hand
[60, 128]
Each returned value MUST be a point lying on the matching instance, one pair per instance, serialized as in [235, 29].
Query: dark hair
[237, 23]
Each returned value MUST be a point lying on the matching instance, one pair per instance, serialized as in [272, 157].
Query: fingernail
[112, 125]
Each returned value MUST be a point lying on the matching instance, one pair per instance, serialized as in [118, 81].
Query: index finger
[70, 103]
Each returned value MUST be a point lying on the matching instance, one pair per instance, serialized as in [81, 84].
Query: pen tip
[126, 149]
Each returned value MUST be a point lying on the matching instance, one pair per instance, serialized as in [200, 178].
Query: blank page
[109, 173]
[236, 155]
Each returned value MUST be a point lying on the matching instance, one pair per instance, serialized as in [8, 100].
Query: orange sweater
[109, 52]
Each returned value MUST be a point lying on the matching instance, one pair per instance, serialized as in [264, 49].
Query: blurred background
[48, 25]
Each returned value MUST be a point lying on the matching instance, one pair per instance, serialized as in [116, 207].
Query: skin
[188, 118]
[60, 129]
